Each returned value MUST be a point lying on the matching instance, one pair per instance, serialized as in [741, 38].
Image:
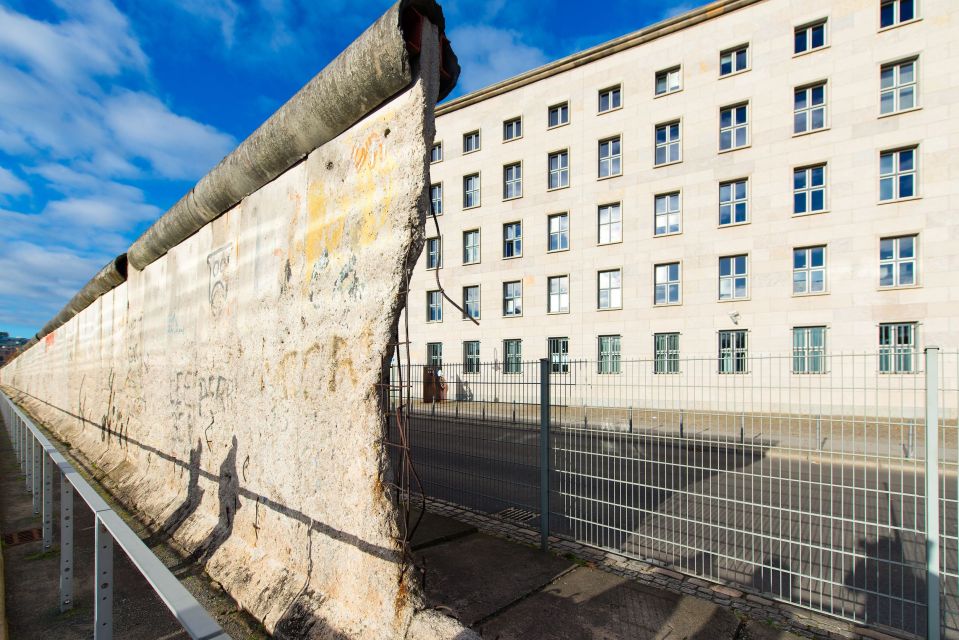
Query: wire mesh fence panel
[949, 482]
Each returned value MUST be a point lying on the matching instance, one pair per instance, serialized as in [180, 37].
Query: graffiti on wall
[219, 263]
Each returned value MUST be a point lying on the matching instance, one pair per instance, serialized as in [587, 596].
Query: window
[893, 12]
[512, 129]
[471, 356]
[436, 153]
[513, 298]
[809, 108]
[471, 191]
[810, 37]
[610, 289]
[809, 189]
[897, 261]
[471, 246]
[559, 169]
[897, 174]
[609, 358]
[558, 355]
[666, 284]
[668, 81]
[558, 294]
[610, 223]
[513, 353]
[667, 143]
[733, 202]
[809, 270]
[733, 277]
[897, 347]
[610, 158]
[471, 141]
[559, 232]
[666, 353]
[898, 86]
[434, 306]
[436, 199]
[733, 127]
[434, 255]
[512, 181]
[471, 302]
[809, 349]
[734, 60]
[559, 114]
[512, 239]
[434, 354]
[609, 99]
[732, 351]
[667, 214]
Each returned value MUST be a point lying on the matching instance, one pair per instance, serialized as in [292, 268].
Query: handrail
[194, 619]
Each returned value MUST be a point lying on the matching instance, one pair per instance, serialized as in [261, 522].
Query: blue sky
[111, 110]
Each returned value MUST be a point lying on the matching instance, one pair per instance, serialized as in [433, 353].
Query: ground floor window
[434, 354]
[609, 349]
[559, 355]
[471, 356]
[732, 351]
[513, 350]
[897, 347]
[809, 349]
[666, 350]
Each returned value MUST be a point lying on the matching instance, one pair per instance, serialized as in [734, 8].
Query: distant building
[758, 177]
[9, 346]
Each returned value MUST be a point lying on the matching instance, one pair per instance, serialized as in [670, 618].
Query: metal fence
[39, 460]
[808, 488]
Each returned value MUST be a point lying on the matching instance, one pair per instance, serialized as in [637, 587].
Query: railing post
[47, 502]
[66, 544]
[28, 459]
[932, 493]
[37, 472]
[103, 589]
[544, 447]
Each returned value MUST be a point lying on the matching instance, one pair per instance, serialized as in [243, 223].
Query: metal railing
[834, 491]
[38, 458]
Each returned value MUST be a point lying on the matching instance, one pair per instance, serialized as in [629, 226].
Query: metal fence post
[28, 459]
[932, 493]
[103, 589]
[66, 543]
[47, 502]
[544, 452]
[37, 472]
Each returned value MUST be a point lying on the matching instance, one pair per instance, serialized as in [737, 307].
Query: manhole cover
[518, 515]
[22, 537]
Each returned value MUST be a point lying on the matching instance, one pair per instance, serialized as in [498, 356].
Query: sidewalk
[508, 590]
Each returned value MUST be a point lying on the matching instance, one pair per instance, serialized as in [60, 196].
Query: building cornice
[628, 41]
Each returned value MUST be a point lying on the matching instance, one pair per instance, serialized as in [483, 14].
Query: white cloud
[488, 54]
[11, 185]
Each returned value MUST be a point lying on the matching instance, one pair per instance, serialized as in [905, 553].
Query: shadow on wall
[228, 493]
[194, 494]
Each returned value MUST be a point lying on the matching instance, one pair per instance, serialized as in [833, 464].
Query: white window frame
[471, 356]
[897, 87]
[468, 139]
[666, 352]
[898, 347]
[512, 240]
[806, 32]
[804, 118]
[669, 144]
[664, 282]
[896, 261]
[614, 96]
[512, 180]
[805, 273]
[436, 152]
[557, 178]
[809, 358]
[434, 354]
[613, 226]
[896, 173]
[610, 283]
[667, 76]
[561, 232]
[806, 190]
[560, 109]
[558, 300]
[733, 351]
[733, 52]
[734, 127]
[609, 354]
[513, 129]
[557, 349]
[667, 207]
[734, 276]
[469, 247]
[611, 164]
[434, 303]
[472, 196]
[897, 13]
[438, 253]
[436, 203]
[735, 202]
[512, 355]
[471, 303]
[512, 299]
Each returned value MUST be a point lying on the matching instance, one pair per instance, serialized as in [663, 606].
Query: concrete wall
[228, 390]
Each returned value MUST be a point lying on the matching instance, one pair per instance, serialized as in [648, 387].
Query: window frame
[439, 252]
[560, 232]
[471, 361]
[512, 362]
[518, 122]
[609, 361]
[506, 182]
[668, 284]
[559, 294]
[668, 143]
[558, 106]
[667, 213]
[807, 28]
[434, 302]
[478, 191]
[733, 276]
[732, 50]
[610, 289]
[479, 246]
[436, 185]
[738, 356]
[666, 360]
[507, 299]
[611, 89]
[479, 141]
[897, 86]
[611, 159]
[808, 111]
[599, 223]
[897, 260]
[559, 365]
[896, 351]
[809, 189]
[733, 202]
[430, 356]
[516, 240]
[809, 269]
[733, 127]
[806, 353]
[678, 70]
[897, 22]
[896, 175]
[467, 302]
[436, 145]
[560, 171]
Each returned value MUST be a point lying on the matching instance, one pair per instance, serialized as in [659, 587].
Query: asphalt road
[844, 539]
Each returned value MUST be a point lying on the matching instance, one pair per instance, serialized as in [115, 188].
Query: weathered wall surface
[229, 388]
